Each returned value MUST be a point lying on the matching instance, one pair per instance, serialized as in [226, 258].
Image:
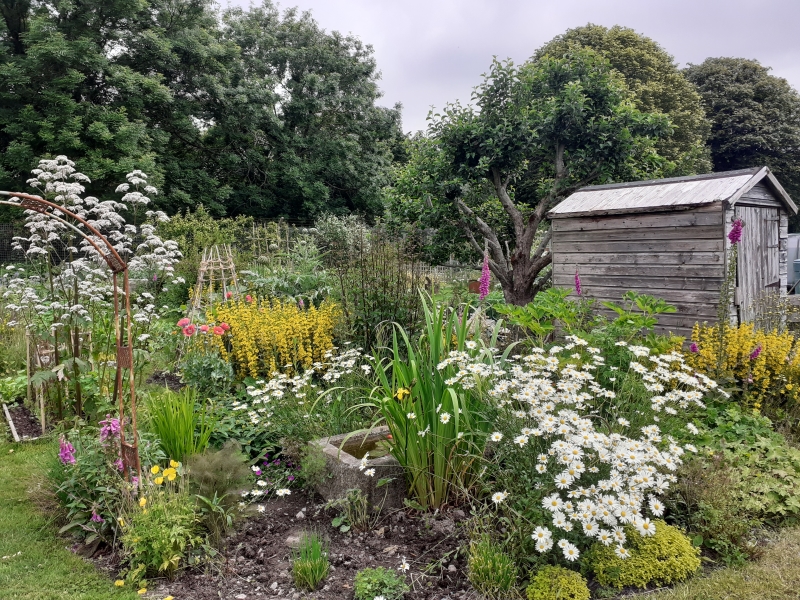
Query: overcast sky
[431, 52]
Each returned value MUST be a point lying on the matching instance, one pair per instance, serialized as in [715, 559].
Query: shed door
[758, 267]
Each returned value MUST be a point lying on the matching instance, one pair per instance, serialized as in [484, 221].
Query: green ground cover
[40, 565]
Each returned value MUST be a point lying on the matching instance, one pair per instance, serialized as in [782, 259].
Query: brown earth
[26, 424]
[256, 559]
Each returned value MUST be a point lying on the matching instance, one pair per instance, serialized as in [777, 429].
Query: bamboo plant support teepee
[216, 278]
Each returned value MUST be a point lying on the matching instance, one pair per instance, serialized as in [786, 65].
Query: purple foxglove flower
[694, 348]
[755, 353]
[118, 464]
[155, 277]
[108, 427]
[483, 289]
[578, 289]
[735, 233]
[66, 452]
[96, 518]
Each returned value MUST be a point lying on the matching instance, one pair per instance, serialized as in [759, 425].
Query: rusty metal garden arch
[130, 451]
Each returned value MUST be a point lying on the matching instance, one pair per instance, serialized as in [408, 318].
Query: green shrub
[208, 373]
[490, 571]
[310, 562]
[182, 428]
[160, 529]
[706, 502]
[664, 558]
[371, 583]
[557, 583]
[217, 478]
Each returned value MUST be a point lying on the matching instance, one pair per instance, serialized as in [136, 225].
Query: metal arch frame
[130, 451]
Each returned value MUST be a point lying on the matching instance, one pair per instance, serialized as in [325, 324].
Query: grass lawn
[776, 576]
[45, 569]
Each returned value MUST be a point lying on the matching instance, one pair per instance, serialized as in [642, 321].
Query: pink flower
[183, 322]
[248, 298]
[735, 233]
[577, 283]
[301, 305]
[755, 353]
[218, 330]
[189, 330]
[225, 326]
[483, 289]
[118, 464]
[203, 328]
[66, 452]
[96, 518]
[694, 348]
[108, 427]
[229, 295]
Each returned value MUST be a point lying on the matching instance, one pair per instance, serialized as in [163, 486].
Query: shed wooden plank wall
[677, 256]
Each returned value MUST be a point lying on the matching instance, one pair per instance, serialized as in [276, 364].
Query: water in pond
[358, 447]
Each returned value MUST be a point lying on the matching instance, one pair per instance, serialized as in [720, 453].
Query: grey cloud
[431, 52]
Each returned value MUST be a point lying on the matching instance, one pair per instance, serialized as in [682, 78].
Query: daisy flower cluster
[601, 476]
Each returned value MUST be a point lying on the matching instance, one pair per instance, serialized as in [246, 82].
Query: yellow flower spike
[142, 501]
[174, 464]
[158, 480]
[119, 583]
[155, 469]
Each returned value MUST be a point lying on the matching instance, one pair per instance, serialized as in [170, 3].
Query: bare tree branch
[486, 231]
[501, 188]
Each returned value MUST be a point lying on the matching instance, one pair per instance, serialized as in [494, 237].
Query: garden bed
[257, 558]
[23, 424]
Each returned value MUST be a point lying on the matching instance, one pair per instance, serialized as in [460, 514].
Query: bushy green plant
[439, 423]
[310, 561]
[379, 582]
[664, 558]
[768, 468]
[182, 426]
[707, 501]
[557, 583]
[85, 479]
[353, 511]
[313, 466]
[490, 571]
[160, 530]
[208, 373]
[218, 477]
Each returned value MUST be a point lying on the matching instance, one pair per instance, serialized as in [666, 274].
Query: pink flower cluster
[190, 329]
[483, 289]
[735, 234]
[66, 452]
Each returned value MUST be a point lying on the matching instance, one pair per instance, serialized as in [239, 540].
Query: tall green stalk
[182, 429]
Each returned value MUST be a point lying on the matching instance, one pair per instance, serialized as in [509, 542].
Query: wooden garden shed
[668, 238]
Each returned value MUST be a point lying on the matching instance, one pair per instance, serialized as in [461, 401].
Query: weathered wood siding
[676, 255]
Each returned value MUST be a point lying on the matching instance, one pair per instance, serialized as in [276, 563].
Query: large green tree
[755, 117]
[256, 112]
[658, 86]
[538, 132]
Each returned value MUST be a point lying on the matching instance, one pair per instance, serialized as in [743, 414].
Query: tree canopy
[658, 86]
[538, 132]
[256, 112]
[755, 117]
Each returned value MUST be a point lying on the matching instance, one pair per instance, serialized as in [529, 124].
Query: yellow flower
[121, 522]
[169, 598]
[142, 591]
[170, 474]
[142, 501]
[158, 480]
[155, 469]
[174, 464]
[401, 393]
[119, 583]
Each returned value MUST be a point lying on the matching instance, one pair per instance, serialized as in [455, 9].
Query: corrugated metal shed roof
[663, 194]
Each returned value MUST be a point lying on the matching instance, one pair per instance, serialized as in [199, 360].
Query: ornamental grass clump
[182, 427]
[269, 336]
[310, 561]
[491, 572]
[430, 394]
